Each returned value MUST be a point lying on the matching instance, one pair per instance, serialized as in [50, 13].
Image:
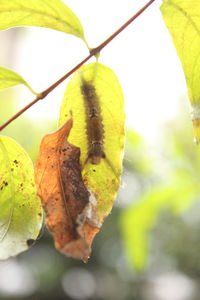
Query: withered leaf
[69, 205]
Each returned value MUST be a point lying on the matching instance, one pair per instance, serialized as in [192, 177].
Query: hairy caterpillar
[94, 128]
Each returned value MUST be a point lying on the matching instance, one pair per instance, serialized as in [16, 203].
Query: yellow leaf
[182, 18]
[95, 99]
[52, 14]
[20, 207]
[9, 78]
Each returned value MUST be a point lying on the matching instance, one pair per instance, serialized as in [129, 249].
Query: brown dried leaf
[69, 206]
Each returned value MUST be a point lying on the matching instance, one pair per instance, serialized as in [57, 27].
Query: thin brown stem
[93, 52]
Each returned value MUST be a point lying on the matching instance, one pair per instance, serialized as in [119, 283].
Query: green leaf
[20, 207]
[106, 114]
[52, 14]
[9, 78]
[182, 18]
[138, 220]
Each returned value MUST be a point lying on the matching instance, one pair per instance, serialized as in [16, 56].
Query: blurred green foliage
[175, 190]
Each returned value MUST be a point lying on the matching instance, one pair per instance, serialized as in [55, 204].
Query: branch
[93, 52]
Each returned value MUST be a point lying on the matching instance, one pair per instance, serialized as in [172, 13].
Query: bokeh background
[148, 248]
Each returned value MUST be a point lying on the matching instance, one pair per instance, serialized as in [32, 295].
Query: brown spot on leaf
[30, 242]
[69, 206]
[15, 162]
